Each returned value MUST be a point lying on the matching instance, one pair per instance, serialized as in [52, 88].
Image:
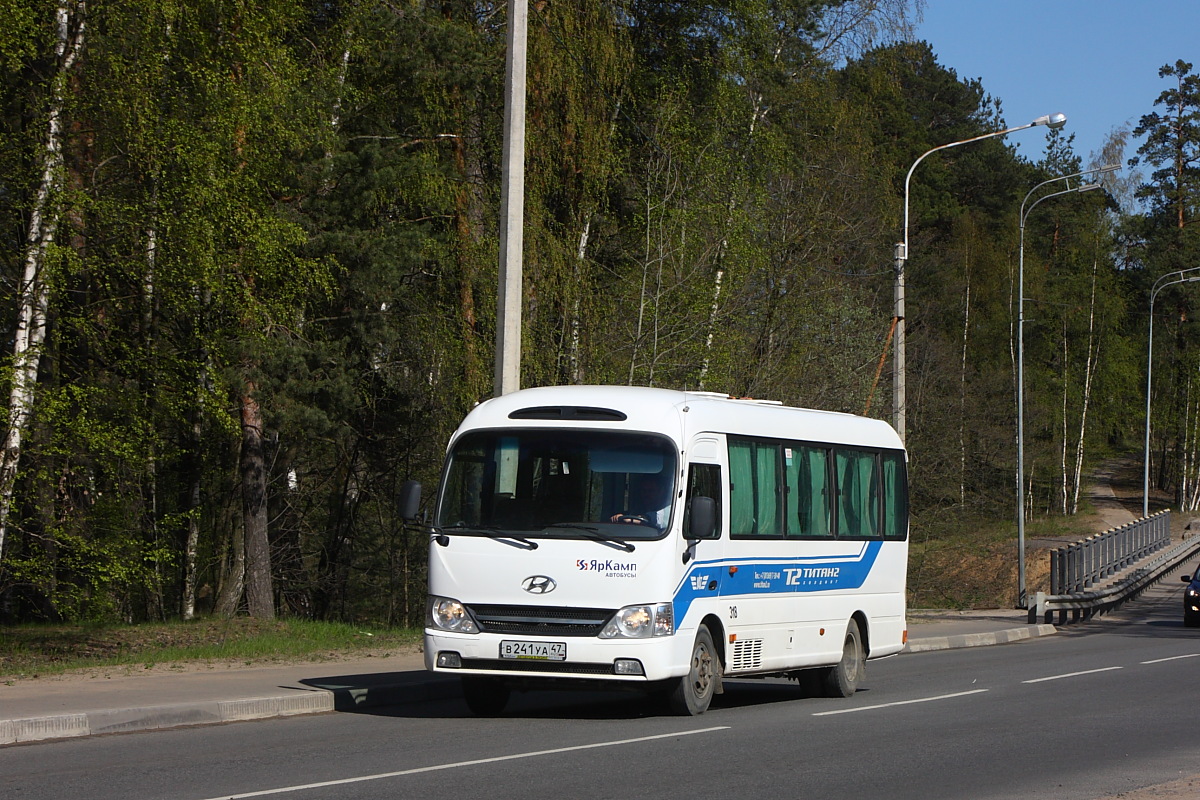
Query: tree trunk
[1185, 447]
[233, 575]
[1194, 495]
[575, 323]
[192, 543]
[757, 114]
[34, 292]
[654, 253]
[468, 224]
[1093, 356]
[260, 595]
[1065, 384]
[962, 393]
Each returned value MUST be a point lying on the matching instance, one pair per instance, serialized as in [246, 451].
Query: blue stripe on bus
[763, 576]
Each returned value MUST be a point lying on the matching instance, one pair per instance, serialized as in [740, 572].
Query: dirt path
[1115, 492]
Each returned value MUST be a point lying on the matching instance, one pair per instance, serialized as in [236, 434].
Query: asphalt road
[1096, 710]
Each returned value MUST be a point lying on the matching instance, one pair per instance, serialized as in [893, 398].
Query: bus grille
[541, 620]
[747, 654]
[557, 667]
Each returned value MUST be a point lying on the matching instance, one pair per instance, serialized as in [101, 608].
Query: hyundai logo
[539, 584]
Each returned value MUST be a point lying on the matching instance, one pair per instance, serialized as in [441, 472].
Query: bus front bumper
[586, 659]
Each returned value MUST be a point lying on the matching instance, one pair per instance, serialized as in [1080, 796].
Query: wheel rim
[851, 658]
[702, 670]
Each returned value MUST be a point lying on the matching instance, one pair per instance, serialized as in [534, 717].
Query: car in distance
[1191, 599]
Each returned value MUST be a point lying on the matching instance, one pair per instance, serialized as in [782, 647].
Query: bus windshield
[559, 484]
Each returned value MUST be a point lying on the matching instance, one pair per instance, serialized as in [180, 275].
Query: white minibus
[663, 540]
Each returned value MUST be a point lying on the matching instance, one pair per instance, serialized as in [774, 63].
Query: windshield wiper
[596, 535]
[493, 532]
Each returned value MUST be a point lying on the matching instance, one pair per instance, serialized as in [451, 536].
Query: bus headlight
[449, 615]
[641, 622]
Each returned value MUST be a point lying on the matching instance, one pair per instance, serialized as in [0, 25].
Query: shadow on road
[418, 695]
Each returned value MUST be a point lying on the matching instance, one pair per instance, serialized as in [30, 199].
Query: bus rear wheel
[486, 697]
[842, 679]
[694, 691]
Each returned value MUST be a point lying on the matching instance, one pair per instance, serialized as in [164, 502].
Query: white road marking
[898, 703]
[458, 764]
[1073, 674]
[1172, 658]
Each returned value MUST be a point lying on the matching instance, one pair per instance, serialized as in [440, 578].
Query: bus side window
[807, 491]
[858, 494]
[704, 480]
[895, 496]
[755, 498]
[741, 488]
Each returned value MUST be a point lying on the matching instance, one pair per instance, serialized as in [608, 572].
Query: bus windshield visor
[559, 484]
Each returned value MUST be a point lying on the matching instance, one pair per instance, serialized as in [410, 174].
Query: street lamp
[1052, 121]
[1085, 187]
[1161, 283]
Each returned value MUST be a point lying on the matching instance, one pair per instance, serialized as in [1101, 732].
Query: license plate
[534, 651]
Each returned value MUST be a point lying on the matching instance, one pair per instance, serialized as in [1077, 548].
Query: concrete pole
[1022, 593]
[898, 367]
[1170, 279]
[1022, 597]
[512, 206]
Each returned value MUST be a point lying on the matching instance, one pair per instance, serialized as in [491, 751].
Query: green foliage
[45, 649]
[299, 202]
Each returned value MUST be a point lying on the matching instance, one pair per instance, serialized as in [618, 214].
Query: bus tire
[692, 693]
[486, 697]
[842, 679]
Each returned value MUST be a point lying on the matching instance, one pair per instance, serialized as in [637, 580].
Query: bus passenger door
[701, 557]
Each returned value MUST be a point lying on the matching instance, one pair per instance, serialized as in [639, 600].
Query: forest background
[249, 266]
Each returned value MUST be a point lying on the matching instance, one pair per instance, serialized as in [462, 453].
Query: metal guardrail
[1085, 604]
[1081, 565]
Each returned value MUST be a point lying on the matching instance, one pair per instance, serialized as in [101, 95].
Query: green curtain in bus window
[807, 498]
[818, 481]
[895, 496]
[766, 489]
[869, 468]
[858, 494]
[741, 488]
[794, 499]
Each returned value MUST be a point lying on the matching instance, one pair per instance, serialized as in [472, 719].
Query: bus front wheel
[694, 691]
[842, 679]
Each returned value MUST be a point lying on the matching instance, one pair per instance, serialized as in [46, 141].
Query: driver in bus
[649, 501]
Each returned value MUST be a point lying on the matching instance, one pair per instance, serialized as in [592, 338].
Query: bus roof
[678, 414]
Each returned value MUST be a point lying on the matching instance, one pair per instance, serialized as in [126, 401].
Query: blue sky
[1096, 61]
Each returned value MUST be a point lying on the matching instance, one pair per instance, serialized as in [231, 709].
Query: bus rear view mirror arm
[409, 504]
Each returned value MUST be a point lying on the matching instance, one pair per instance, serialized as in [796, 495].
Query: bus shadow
[586, 704]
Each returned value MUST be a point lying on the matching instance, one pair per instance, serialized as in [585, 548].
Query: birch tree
[44, 217]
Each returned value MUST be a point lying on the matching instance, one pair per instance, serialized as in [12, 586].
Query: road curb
[318, 700]
[321, 697]
[978, 639]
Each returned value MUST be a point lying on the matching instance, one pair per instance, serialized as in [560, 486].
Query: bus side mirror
[702, 518]
[409, 501]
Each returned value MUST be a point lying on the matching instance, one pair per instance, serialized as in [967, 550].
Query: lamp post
[1052, 121]
[1179, 276]
[1086, 187]
[512, 206]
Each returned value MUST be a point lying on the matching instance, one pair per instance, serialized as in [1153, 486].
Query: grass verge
[974, 564]
[44, 649]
